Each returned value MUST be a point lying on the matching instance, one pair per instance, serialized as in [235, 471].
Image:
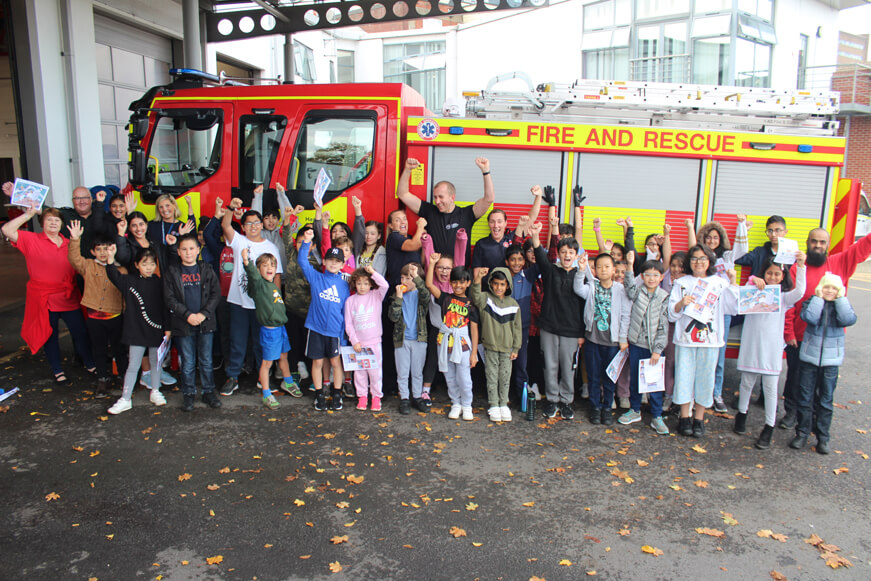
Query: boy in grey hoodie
[501, 335]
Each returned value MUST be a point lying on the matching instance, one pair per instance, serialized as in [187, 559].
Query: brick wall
[858, 163]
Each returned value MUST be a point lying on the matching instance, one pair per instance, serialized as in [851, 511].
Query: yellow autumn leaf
[267, 546]
[343, 504]
[78, 448]
[337, 540]
[529, 504]
[764, 533]
[699, 449]
[701, 483]
[52, 496]
[457, 532]
[299, 502]
[729, 519]
[183, 477]
[304, 557]
[641, 463]
[355, 479]
[651, 550]
[565, 563]
[841, 470]
[471, 506]
[474, 544]
[711, 532]
[224, 470]
[623, 532]
[335, 567]
[215, 560]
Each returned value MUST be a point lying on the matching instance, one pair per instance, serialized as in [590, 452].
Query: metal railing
[661, 69]
[853, 81]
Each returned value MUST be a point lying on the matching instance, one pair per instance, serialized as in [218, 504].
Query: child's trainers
[348, 389]
[157, 398]
[455, 412]
[426, 399]
[270, 402]
[361, 403]
[506, 413]
[495, 414]
[659, 425]
[376, 404]
[120, 406]
[145, 379]
[630, 417]
[320, 401]
[291, 389]
[336, 403]
[467, 414]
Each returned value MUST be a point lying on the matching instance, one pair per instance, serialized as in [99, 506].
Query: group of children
[538, 310]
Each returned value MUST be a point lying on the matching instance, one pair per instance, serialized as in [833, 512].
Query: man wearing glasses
[85, 211]
[775, 227]
[243, 319]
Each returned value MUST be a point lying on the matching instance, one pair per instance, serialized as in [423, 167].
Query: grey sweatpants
[410, 359]
[559, 357]
[459, 379]
[134, 362]
[769, 392]
[497, 369]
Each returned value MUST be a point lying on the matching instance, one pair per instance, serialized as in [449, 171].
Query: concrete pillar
[289, 75]
[193, 48]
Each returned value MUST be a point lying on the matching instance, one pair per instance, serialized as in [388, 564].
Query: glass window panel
[748, 6]
[187, 147]
[110, 141]
[623, 12]
[766, 31]
[345, 66]
[104, 62]
[107, 102]
[599, 15]
[621, 37]
[674, 39]
[748, 27]
[112, 175]
[711, 61]
[660, 8]
[598, 39]
[128, 68]
[707, 6]
[712, 26]
[260, 138]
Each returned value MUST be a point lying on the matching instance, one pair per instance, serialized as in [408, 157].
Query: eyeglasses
[775, 231]
[443, 267]
[699, 259]
[254, 223]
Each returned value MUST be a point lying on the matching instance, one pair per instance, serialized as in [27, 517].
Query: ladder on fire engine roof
[657, 104]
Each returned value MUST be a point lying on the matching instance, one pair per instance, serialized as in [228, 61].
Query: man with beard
[818, 263]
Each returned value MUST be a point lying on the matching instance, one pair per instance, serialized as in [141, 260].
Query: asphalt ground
[247, 493]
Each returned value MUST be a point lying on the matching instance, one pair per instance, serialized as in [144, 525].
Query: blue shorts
[274, 342]
[320, 346]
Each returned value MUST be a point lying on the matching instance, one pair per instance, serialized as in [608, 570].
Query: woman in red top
[51, 293]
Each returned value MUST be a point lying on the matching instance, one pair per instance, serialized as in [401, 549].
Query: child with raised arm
[606, 318]
[761, 354]
[192, 293]
[647, 336]
[408, 312]
[144, 316]
[363, 325]
[561, 323]
[325, 320]
[502, 332]
[367, 239]
[457, 338]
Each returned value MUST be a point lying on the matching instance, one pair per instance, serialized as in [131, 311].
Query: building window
[304, 62]
[752, 64]
[801, 78]
[610, 64]
[345, 66]
[607, 14]
[710, 6]
[661, 53]
[711, 61]
[645, 9]
[762, 8]
[420, 65]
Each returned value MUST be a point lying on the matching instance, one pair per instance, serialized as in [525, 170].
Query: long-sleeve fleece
[363, 314]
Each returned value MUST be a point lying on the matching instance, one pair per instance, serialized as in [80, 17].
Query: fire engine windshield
[340, 143]
[185, 149]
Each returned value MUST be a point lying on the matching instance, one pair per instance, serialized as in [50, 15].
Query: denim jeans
[244, 332]
[76, 325]
[600, 385]
[816, 386]
[721, 359]
[195, 351]
[636, 354]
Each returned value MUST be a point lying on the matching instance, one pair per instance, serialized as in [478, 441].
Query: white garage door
[129, 62]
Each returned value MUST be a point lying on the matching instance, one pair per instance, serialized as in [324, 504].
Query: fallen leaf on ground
[623, 532]
[299, 502]
[343, 504]
[699, 449]
[729, 519]
[355, 479]
[640, 463]
[711, 532]
[534, 578]
[814, 540]
[457, 532]
[215, 560]
[528, 504]
[52, 496]
[335, 567]
[652, 550]
[841, 470]
[777, 576]
[305, 557]
[834, 561]
[477, 544]
[471, 506]
[183, 477]
[337, 540]
[224, 470]
[701, 483]
[565, 563]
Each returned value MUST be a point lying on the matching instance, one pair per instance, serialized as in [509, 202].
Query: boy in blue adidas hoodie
[326, 319]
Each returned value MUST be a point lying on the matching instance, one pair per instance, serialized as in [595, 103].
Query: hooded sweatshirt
[501, 321]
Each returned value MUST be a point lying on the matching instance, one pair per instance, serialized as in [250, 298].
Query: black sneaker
[320, 401]
[788, 421]
[348, 389]
[607, 418]
[566, 412]
[231, 385]
[595, 416]
[549, 410]
[102, 390]
[420, 405]
[823, 447]
[187, 403]
[698, 428]
[336, 403]
[404, 407]
[210, 398]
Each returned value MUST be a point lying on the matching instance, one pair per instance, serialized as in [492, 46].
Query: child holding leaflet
[363, 325]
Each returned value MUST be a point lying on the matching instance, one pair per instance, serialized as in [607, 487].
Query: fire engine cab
[658, 153]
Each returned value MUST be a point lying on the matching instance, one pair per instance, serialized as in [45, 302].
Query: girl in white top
[698, 334]
[761, 352]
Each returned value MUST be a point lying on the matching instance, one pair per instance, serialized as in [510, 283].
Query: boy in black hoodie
[561, 323]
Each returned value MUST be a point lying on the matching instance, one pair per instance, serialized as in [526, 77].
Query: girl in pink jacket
[363, 325]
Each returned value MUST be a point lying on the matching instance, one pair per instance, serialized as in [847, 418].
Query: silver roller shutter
[648, 183]
[769, 188]
[515, 171]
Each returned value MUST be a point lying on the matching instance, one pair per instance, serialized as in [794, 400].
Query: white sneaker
[467, 414]
[495, 414]
[303, 370]
[585, 391]
[624, 403]
[157, 398]
[506, 413]
[145, 379]
[120, 406]
[534, 389]
[454, 414]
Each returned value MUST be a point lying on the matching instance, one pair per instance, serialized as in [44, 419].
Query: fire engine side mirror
[138, 127]
[138, 167]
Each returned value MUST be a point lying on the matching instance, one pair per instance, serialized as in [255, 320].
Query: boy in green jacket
[272, 315]
[501, 335]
